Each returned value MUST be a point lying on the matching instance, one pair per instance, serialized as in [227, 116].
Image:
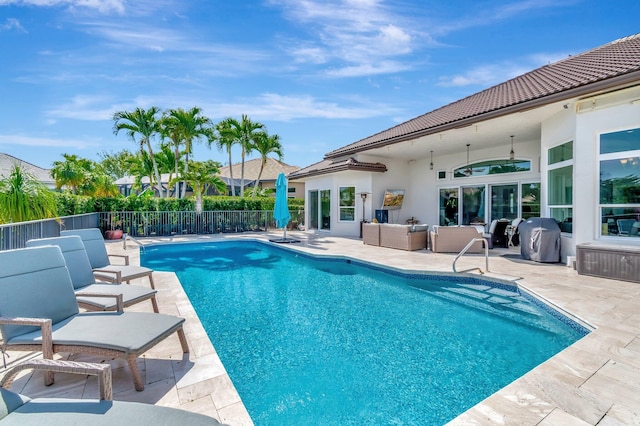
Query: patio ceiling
[496, 132]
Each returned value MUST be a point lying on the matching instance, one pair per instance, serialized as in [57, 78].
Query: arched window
[492, 167]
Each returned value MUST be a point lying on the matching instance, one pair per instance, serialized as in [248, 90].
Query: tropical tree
[72, 172]
[200, 177]
[243, 132]
[224, 140]
[143, 123]
[23, 198]
[185, 128]
[117, 165]
[265, 145]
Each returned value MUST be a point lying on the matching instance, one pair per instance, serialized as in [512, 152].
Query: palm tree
[144, 123]
[200, 177]
[243, 133]
[186, 127]
[72, 172]
[265, 145]
[23, 198]
[225, 141]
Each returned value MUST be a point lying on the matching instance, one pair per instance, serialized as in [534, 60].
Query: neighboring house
[251, 170]
[561, 141]
[269, 175]
[125, 185]
[43, 175]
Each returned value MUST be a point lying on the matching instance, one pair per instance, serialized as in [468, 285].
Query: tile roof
[7, 161]
[252, 167]
[612, 64]
[332, 166]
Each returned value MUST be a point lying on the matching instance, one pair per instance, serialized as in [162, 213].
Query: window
[347, 203]
[448, 206]
[492, 167]
[530, 193]
[620, 183]
[325, 209]
[560, 185]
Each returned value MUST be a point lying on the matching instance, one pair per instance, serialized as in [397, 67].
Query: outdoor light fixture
[468, 171]
[431, 163]
[512, 154]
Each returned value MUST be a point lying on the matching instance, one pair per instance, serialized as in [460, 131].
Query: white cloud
[103, 6]
[10, 24]
[361, 33]
[34, 141]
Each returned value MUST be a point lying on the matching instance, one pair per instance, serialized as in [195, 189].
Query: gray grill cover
[540, 239]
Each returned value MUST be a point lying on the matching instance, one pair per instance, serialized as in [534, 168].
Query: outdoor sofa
[452, 239]
[403, 237]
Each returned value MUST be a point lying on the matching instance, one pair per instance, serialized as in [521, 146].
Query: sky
[319, 73]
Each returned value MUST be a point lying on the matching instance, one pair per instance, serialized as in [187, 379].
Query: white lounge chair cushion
[127, 272]
[128, 332]
[131, 294]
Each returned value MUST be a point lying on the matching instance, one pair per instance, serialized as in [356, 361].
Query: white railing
[467, 247]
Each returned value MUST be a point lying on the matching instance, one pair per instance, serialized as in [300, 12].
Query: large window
[620, 183]
[347, 203]
[560, 185]
[504, 202]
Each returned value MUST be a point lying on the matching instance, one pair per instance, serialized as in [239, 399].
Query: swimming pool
[332, 341]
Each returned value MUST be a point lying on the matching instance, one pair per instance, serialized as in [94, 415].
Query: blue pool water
[311, 341]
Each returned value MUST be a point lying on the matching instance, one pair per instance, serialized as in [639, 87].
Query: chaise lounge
[39, 312]
[99, 259]
[17, 409]
[84, 282]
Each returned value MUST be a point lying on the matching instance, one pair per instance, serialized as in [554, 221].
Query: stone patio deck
[594, 381]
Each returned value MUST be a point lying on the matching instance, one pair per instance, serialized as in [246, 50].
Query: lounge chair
[39, 312]
[84, 281]
[17, 409]
[99, 259]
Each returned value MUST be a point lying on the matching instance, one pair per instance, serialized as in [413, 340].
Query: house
[269, 175]
[7, 163]
[561, 141]
[251, 170]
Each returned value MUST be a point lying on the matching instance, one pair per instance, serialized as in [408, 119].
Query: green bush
[69, 204]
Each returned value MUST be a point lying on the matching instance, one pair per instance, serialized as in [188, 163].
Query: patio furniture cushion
[58, 411]
[74, 254]
[93, 244]
[55, 300]
[452, 239]
[127, 332]
[10, 401]
[83, 279]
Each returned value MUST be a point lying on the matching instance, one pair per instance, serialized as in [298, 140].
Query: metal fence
[145, 224]
[15, 235]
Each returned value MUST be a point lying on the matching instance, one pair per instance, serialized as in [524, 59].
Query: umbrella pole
[285, 232]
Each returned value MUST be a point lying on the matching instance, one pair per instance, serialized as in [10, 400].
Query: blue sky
[319, 73]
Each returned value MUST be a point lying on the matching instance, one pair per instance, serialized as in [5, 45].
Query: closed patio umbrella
[281, 210]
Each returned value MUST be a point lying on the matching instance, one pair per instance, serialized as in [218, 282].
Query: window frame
[555, 166]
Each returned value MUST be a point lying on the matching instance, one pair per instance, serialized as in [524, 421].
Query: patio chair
[17, 409]
[84, 281]
[496, 235]
[39, 312]
[99, 259]
[625, 226]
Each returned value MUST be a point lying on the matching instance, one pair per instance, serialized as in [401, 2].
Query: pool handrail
[464, 250]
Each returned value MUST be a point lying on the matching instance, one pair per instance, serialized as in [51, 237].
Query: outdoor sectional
[403, 237]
